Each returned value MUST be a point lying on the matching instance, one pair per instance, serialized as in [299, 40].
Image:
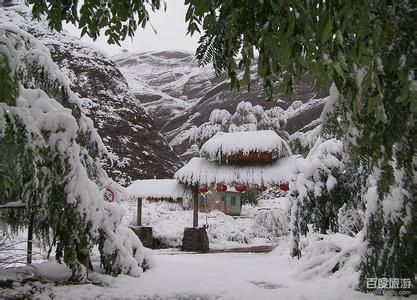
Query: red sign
[109, 195]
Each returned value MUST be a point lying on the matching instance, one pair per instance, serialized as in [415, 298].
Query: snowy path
[214, 276]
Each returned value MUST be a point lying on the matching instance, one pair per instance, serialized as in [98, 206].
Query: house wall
[227, 202]
[232, 204]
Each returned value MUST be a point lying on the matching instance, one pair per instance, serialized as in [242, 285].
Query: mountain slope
[136, 147]
[179, 94]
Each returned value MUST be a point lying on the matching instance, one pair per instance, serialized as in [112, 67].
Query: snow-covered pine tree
[326, 185]
[49, 161]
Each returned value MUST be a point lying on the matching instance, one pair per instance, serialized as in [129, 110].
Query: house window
[223, 198]
[233, 200]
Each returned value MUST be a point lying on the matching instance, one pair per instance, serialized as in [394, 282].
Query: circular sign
[109, 195]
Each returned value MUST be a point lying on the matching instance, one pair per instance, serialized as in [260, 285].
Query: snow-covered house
[159, 189]
[232, 163]
[224, 198]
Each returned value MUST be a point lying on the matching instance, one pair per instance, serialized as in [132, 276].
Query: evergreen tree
[49, 161]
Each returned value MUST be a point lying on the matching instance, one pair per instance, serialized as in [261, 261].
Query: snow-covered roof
[201, 171]
[158, 188]
[225, 144]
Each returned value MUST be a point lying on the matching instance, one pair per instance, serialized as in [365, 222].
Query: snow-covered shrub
[302, 142]
[275, 220]
[271, 212]
[322, 187]
[245, 114]
[332, 255]
[350, 219]
[49, 161]
[390, 227]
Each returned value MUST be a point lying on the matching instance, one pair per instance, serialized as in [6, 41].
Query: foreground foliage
[49, 161]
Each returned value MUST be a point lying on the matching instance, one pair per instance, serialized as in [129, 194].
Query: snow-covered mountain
[163, 92]
[179, 94]
[132, 139]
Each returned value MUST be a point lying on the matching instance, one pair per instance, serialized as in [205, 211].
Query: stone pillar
[195, 239]
[145, 235]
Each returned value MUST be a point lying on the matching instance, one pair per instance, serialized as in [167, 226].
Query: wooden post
[195, 204]
[139, 213]
[29, 248]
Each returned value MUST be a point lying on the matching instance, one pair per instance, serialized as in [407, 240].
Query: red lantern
[240, 188]
[284, 186]
[260, 187]
[221, 187]
[203, 188]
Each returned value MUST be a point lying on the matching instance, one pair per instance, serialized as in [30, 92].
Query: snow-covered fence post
[195, 206]
[139, 212]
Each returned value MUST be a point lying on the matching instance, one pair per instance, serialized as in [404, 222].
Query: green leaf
[302, 61]
[342, 60]
[84, 31]
[413, 103]
[327, 32]
[337, 67]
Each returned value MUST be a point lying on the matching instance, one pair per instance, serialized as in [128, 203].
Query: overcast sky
[171, 33]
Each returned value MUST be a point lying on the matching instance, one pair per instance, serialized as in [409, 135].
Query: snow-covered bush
[275, 220]
[246, 118]
[350, 219]
[302, 142]
[322, 187]
[331, 255]
[50, 162]
[271, 211]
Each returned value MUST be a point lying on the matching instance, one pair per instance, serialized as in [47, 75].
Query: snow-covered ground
[256, 227]
[326, 270]
[179, 275]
